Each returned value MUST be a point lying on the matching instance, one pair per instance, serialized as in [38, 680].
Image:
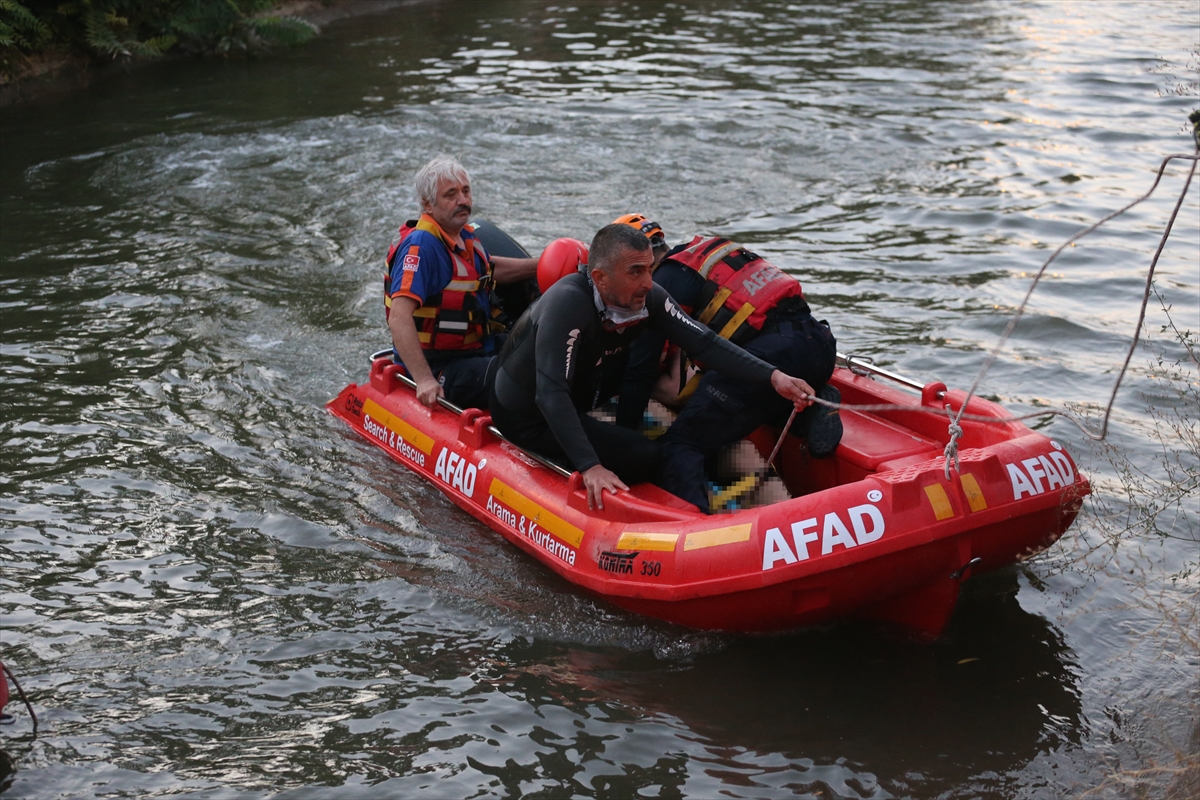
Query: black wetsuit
[552, 371]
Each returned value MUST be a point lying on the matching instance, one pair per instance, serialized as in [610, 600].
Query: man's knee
[633, 457]
[465, 381]
[646, 463]
[722, 411]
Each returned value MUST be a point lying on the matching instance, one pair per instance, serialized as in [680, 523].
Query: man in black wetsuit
[550, 369]
[755, 304]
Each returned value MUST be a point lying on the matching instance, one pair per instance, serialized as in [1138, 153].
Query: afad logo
[866, 521]
[457, 471]
[1055, 468]
[759, 280]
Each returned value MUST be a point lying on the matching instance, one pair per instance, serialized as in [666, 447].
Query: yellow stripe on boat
[940, 502]
[973, 492]
[734, 533]
[648, 541]
[535, 513]
[398, 426]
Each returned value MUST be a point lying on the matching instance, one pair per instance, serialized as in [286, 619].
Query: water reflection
[706, 52]
[838, 712]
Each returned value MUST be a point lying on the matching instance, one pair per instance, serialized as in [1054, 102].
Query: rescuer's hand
[429, 390]
[794, 389]
[598, 479]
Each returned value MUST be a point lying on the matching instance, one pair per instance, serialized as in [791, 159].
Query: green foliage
[112, 34]
[146, 28]
[286, 31]
[20, 28]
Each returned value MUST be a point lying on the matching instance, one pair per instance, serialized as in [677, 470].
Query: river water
[211, 589]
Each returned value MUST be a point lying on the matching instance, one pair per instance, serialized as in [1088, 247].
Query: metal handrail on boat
[861, 365]
[492, 429]
[856, 364]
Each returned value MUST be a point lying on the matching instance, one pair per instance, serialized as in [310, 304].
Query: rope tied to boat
[955, 429]
[1137, 331]
[951, 451]
[953, 415]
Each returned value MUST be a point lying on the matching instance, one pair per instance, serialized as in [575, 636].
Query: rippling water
[209, 587]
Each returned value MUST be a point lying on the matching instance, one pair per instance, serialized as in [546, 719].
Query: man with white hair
[438, 291]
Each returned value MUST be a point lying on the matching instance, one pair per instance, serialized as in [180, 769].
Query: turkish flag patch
[411, 262]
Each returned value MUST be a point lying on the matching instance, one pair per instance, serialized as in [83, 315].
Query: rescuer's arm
[511, 270]
[404, 338]
[794, 389]
[722, 355]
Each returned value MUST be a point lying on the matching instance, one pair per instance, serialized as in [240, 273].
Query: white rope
[951, 451]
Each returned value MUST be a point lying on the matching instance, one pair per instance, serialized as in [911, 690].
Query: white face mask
[617, 317]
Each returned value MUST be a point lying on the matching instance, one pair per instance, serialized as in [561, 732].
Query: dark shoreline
[57, 72]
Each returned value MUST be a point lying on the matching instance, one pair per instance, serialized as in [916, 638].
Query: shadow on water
[994, 691]
[848, 712]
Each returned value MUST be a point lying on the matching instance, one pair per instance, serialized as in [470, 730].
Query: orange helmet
[560, 258]
[653, 230]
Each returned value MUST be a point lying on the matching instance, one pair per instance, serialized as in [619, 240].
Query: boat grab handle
[961, 571]
[492, 429]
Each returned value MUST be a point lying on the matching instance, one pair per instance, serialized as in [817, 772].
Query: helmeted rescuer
[749, 301]
[551, 368]
[437, 291]
[651, 230]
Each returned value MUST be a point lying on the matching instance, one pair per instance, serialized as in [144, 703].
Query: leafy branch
[20, 28]
[1187, 86]
[107, 29]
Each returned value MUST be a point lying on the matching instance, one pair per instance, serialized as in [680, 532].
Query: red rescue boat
[874, 531]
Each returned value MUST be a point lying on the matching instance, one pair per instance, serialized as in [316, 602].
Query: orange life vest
[455, 318]
[740, 287]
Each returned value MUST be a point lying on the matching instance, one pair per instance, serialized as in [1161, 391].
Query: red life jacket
[454, 318]
[739, 287]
